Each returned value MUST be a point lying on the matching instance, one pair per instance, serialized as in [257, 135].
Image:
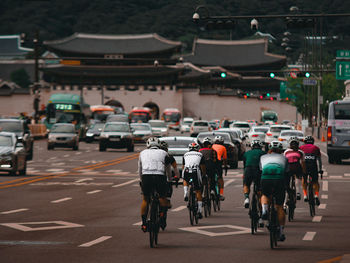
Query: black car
[240, 143]
[231, 148]
[21, 129]
[93, 132]
[116, 135]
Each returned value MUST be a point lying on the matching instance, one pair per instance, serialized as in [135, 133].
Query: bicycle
[310, 195]
[215, 194]
[192, 203]
[206, 197]
[273, 225]
[292, 198]
[153, 223]
[254, 210]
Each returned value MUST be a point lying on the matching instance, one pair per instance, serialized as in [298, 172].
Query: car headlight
[89, 134]
[20, 138]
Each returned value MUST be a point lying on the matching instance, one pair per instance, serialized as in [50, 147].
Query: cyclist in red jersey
[312, 156]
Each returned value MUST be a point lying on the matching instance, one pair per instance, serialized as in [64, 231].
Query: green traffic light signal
[223, 74]
[268, 94]
[272, 75]
[307, 74]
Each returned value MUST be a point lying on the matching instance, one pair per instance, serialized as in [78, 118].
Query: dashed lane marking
[66, 155]
[83, 180]
[113, 171]
[61, 200]
[347, 174]
[55, 170]
[179, 208]
[335, 177]
[324, 196]
[14, 211]
[126, 183]
[322, 206]
[227, 183]
[137, 224]
[30, 226]
[325, 186]
[96, 241]
[94, 192]
[324, 154]
[317, 219]
[309, 236]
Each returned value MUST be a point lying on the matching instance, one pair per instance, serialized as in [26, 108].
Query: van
[338, 131]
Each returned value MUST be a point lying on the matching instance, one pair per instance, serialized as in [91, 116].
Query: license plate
[114, 139]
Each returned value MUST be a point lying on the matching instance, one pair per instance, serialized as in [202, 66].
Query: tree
[21, 78]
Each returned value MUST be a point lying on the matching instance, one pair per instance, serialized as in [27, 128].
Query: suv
[199, 126]
[273, 133]
[21, 129]
[116, 135]
[243, 125]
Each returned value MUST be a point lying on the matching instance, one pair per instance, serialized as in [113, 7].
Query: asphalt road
[84, 207]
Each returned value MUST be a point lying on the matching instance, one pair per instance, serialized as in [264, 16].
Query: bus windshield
[139, 117]
[171, 116]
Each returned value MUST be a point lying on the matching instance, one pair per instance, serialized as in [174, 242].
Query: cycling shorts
[314, 175]
[219, 169]
[295, 168]
[195, 178]
[252, 174]
[274, 187]
[154, 182]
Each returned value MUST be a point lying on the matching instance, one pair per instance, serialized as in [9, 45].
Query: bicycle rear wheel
[273, 227]
[213, 199]
[311, 201]
[291, 206]
[191, 206]
[254, 216]
[153, 224]
[206, 201]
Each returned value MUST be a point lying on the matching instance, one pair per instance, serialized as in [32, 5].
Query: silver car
[12, 154]
[141, 131]
[274, 132]
[257, 133]
[63, 135]
[159, 128]
[286, 135]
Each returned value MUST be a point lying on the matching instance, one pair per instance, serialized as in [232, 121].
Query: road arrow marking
[52, 225]
[203, 230]
[309, 236]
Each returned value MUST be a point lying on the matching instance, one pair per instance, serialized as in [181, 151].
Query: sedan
[232, 150]
[159, 128]
[116, 135]
[12, 154]
[273, 133]
[186, 124]
[141, 131]
[236, 140]
[243, 125]
[257, 133]
[94, 131]
[286, 135]
[63, 135]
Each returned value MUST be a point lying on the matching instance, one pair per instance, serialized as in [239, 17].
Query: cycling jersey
[192, 161]
[252, 158]
[154, 161]
[273, 166]
[312, 153]
[294, 156]
[221, 151]
[210, 158]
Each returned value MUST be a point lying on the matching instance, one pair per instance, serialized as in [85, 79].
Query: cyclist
[164, 146]
[193, 167]
[210, 159]
[312, 156]
[251, 160]
[274, 168]
[296, 160]
[153, 166]
[220, 149]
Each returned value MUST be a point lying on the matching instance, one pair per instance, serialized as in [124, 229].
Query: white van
[338, 131]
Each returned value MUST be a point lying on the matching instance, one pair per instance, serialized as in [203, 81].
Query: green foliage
[21, 78]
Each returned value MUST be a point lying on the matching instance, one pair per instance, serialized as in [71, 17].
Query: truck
[269, 115]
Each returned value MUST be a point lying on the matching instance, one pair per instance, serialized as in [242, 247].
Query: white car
[243, 125]
[199, 126]
[159, 128]
[274, 132]
[186, 124]
[286, 135]
[257, 133]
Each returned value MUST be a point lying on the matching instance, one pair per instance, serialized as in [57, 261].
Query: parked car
[186, 124]
[93, 132]
[243, 125]
[177, 147]
[236, 140]
[13, 155]
[141, 131]
[286, 135]
[274, 132]
[22, 132]
[199, 126]
[63, 135]
[231, 148]
[257, 133]
[159, 128]
[116, 135]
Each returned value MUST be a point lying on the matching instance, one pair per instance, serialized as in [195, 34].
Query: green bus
[68, 108]
[269, 115]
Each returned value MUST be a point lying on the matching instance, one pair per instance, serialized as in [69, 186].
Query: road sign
[343, 70]
[309, 82]
[343, 54]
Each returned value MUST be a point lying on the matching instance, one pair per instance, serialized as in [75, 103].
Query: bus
[101, 112]
[172, 117]
[68, 108]
[269, 115]
[140, 114]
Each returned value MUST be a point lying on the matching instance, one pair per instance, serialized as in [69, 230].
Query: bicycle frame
[310, 194]
[153, 219]
[273, 224]
[254, 210]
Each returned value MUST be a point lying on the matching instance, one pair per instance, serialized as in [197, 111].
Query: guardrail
[38, 130]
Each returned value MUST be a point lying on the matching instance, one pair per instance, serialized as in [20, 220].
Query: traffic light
[261, 97]
[217, 24]
[300, 22]
[307, 75]
[268, 95]
[223, 74]
[272, 75]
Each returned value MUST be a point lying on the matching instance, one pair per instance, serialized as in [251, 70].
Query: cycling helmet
[218, 139]
[153, 142]
[275, 145]
[293, 141]
[193, 146]
[309, 140]
[164, 145]
[256, 144]
[207, 140]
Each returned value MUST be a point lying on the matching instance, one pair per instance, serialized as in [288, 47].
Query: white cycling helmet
[207, 140]
[218, 139]
[256, 144]
[276, 145]
[153, 142]
[193, 146]
[293, 140]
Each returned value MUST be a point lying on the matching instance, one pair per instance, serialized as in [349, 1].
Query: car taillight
[255, 135]
[191, 129]
[269, 134]
[281, 139]
[329, 133]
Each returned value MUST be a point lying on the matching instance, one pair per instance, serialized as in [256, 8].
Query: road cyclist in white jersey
[193, 167]
[154, 168]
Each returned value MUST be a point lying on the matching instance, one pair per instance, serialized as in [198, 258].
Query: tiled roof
[112, 44]
[235, 54]
[10, 47]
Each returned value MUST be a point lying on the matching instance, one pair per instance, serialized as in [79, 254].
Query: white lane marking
[227, 183]
[137, 224]
[204, 230]
[88, 172]
[322, 206]
[52, 225]
[83, 180]
[54, 170]
[78, 153]
[317, 219]
[335, 177]
[113, 171]
[325, 173]
[57, 164]
[346, 174]
[309, 236]
[232, 172]
[96, 241]
[179, 208]
[324, 196]
[126, 183]
[325, 186]
[66, 155]
[61, 200]
[94, 192]
[14, 211]
[323, 153]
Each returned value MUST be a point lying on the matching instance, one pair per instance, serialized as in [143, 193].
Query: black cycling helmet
[256, 144]
[293, 141]
[164, 145]
[309, 140]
